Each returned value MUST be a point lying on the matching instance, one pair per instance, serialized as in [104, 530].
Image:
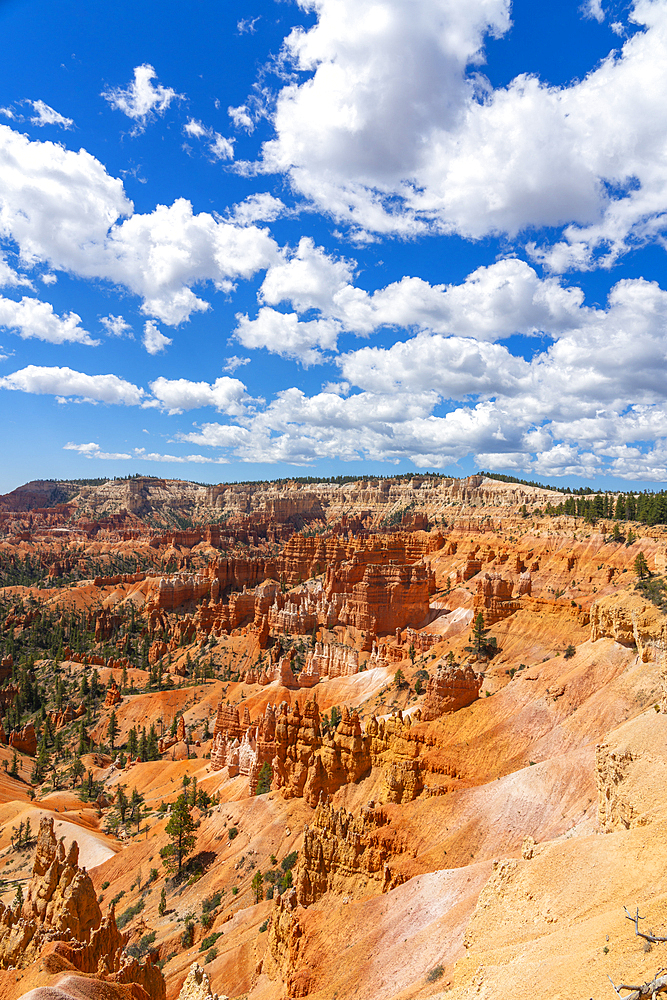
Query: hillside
[418, 725]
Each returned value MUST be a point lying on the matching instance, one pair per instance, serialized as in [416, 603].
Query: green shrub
[129, 914]
[140, 949]
[288, 862]
[188, 935]
[209, 941]
[436, 972]
[264, 779]
[211, 902]
[263, 926]
[233, 832]
[210, 955]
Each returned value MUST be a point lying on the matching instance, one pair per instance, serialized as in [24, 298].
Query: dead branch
[652, 989]
[647, 937]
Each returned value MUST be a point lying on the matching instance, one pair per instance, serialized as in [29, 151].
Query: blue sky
[258, 239]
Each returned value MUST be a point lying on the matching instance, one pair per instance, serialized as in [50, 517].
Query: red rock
[114, 696]
[24, 740]
[450, 689]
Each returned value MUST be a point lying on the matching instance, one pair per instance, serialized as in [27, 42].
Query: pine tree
[77, 770]
[180, 830]
[121, 802]
[83, 739]
[136, 802]
[264, 779]
[112, 730]
[152, 745]
[478, 636]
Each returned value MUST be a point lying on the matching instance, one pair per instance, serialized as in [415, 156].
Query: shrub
[210, 955]
[211, 902]
[569, 652]
[289, 861]
[235, 890]
[233, 832]
[264, 779]
[129, 914]
[262, 927]
[188, 935]
[105, 885]
[209, 941]
[140, 949]
[436, 972]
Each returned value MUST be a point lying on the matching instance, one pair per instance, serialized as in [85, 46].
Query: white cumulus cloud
[141, 99]
[62, 208]
[394, 129]
[153, 340]
[34, 318]
[116, 326]
[227, 395]
[93, 450]
[68, 383]
[9, 278]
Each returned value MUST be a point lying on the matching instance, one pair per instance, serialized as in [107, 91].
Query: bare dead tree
[658, 984]
[652, 989]
[653, 938]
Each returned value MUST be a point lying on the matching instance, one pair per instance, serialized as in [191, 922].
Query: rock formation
[197, 986]
[494, 599]
[285, 944]
[24, 740]
[113, 696]
[61, 908]
[449, 689]
[631, 621]
[341, 852]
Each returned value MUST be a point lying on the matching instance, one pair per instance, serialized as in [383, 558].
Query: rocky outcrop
[197, 986]
[381, 597]
[494, 599]
[630, 621]
[611, 768]
[449, 689]
[304, 761]
[113, 696]
[61, 910]
[24, 740]
[331, 660]
[341, 852]
[285, 945]
[394, 748]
